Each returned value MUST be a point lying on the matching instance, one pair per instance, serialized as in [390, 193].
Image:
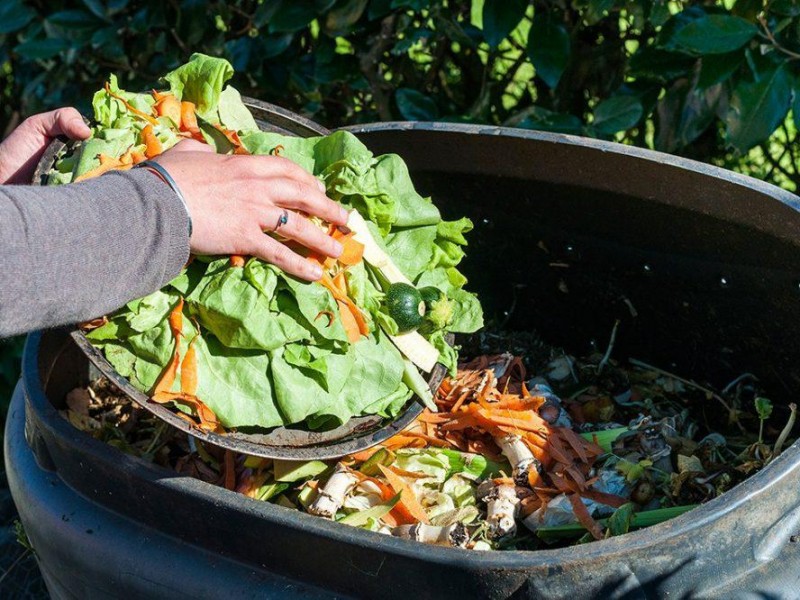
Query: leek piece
[295, 470]
[606, 437]
[641, 519]
[417, 384]
[357, 519]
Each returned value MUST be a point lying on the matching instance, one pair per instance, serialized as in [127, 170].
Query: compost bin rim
[785, 196]
[618, 546]
[745, 211]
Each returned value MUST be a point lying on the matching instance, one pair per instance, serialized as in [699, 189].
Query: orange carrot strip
[603, 498]
[557, 450]
[328, 314]
[153, 145]
[540, 454]
[519, 404]
[135, 111]
[208, 420]
[461, 399]
[237, 261]
[576, 442]
[407, 497]
[433, 441]
[188, 118]
[176, 320]
[189, 370]
[340, 282]
[167, 105]
[365, 455]
[355, 326]
[584, 517]
[460, 422]
[409, 474]
[399, 441]
[230, 471]
[167, 379]
[490, 421]
[353, 250]
[398, 515]
[233, 138]
[435, 418]
[349, 322]
[107, 163]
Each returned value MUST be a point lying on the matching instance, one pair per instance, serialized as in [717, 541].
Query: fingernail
[315, 271]
[321, 186]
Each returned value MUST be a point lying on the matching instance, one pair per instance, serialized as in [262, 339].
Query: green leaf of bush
[14, 15]
[617, 114]
[715, 34]
[41, 49]
[500, 17]
[757, 108]
[415, 106]
[548, 49]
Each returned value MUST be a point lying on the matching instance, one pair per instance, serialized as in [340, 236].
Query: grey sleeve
[74, 252]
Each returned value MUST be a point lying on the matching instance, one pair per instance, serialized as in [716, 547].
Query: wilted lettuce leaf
[109, 112]
[233, 114]
[240, 316]
[448, 249]
[411, 209]
[200, 81]
[411, 249]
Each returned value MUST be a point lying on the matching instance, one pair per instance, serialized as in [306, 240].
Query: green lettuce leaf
[233, 114]
[239, 315]
[201, 81]
[448, 249]
[109, 112]
[298, 150]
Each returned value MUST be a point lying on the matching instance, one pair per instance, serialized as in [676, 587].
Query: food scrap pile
[582, 450]
[234, 342]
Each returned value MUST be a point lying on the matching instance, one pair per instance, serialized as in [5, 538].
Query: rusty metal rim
[289, 443]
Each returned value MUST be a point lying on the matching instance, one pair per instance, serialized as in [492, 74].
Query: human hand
[21, 150]
[234, 199]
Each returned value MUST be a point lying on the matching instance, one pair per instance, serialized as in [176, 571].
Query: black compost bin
[709, 260]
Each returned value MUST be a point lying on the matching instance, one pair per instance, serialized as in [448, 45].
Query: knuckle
[280, 253]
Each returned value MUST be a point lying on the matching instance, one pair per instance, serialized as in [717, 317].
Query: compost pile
[234, 342]
[529, 451]
[514, 451]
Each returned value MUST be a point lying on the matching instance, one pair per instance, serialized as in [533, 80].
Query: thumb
[63, 121]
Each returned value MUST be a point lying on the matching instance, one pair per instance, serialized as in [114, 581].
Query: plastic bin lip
[604, 146]
[610, 549]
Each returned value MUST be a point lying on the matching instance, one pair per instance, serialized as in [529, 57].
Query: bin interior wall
[714, 286]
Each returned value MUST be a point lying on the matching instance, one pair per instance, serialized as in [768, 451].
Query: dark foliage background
[712, 80]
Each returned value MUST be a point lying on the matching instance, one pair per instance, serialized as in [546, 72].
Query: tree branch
[370, 64]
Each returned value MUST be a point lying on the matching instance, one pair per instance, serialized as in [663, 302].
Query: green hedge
[714, 81]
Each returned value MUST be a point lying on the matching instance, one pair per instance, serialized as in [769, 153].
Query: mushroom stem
[452, 535]
[520, 456]
[502, 508]
[331, 496]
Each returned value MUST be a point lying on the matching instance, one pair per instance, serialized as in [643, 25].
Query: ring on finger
[283, 219]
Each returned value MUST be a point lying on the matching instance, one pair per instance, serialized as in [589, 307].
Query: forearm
[72, 253]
